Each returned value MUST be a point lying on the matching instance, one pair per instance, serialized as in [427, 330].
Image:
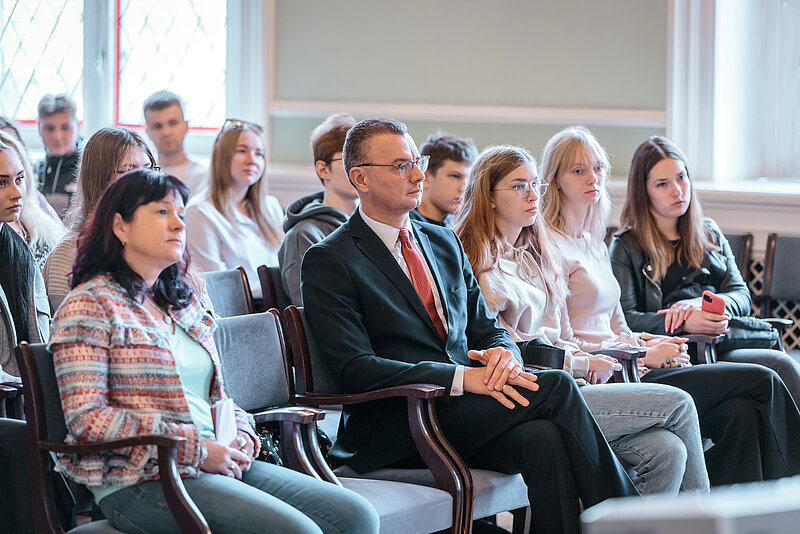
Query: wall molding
[472, 113]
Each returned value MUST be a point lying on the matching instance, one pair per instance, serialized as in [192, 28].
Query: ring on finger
[240, 441]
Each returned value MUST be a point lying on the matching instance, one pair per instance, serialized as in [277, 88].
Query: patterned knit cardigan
[117, 378]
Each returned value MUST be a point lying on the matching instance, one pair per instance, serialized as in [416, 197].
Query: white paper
[224, 421]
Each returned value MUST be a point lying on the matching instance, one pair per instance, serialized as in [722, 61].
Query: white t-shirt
[218, 245]
[193, 174]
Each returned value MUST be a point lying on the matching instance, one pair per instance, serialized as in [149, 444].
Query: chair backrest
[272, 288]
[742, 247]
[254, 362]
[311, 371]
[229, 292]
[782, 268]
[610, 231]
[45, 420]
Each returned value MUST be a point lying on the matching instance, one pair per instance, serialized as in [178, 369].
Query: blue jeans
[655, 431]
[268, 499]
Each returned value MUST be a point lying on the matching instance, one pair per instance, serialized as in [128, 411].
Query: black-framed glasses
[404, 166]
[231, 124]
[523, 189]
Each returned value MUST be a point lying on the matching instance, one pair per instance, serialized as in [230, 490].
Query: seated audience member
[446, 177]
[396, 303]
[38, 224]
[683, 254]
[24, 313]
[109, 153]
[167, 127]
[58, 127]
[131, 276]
[309, 219]
[236, 223]
[744, 409]
[651, 427]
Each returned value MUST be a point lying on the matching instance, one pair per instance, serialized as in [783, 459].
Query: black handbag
[748, 333]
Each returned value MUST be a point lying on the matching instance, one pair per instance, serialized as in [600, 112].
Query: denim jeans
[780, 362]
[655, 431]
[268, 499]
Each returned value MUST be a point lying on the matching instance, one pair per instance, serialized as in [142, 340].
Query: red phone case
[713, 303]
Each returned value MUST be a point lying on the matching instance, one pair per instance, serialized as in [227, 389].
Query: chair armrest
[700, 338]
[622, 354]
[167, 441]
[8, 392]
[418, 391]
[706, 347]
[293, 414]
[779, 324]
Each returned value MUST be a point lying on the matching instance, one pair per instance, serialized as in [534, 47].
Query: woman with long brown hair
[668, 254]
[237, 223]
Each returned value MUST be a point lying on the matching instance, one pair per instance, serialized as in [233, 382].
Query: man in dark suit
[392, 302]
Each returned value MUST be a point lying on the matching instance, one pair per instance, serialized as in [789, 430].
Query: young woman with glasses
[109, 153]
[651, 428]
[236, 223]
[744, 409]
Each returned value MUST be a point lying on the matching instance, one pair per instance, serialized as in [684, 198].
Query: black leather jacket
[641, 296]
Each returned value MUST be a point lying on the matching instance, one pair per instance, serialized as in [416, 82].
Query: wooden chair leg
[522, 520]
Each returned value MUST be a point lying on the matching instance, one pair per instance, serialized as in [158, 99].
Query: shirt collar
[387, 234]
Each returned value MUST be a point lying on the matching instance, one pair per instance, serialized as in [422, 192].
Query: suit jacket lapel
[374, 249]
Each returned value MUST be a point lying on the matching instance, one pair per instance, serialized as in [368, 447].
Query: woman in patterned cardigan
[134, 354]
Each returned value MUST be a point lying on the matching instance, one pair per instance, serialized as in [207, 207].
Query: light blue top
[196, 371]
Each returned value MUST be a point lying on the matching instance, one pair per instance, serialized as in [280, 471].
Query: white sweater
[521, 308]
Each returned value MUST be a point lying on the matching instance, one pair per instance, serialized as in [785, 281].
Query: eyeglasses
[523, 189]
[231, 124]
[119, 172]
[404, 167]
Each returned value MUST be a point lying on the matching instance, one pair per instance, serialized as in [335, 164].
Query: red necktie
[420, 280]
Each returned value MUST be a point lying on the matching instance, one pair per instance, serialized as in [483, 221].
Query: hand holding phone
[713, 303]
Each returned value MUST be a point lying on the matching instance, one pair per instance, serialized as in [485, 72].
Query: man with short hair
[58, 127]
[446, 177]
[311, 218]
[393, 301]
[167, 127]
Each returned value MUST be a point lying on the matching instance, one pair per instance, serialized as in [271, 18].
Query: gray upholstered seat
[229, 292]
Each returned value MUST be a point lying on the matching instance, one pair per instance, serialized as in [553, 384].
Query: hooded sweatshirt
[308, 221]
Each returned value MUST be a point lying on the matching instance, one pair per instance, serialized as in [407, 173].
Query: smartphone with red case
[713, 303]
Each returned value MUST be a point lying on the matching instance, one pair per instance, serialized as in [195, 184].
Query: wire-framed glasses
[231, 124]
[523, 189]
[404, 167]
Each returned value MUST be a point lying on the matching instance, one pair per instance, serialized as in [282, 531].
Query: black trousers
[554, 443]
[746, 410]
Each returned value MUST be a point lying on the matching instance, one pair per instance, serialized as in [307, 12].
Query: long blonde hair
[220, 192]
[39, 226]
[559, 154]
[484, 244]
[695, 237]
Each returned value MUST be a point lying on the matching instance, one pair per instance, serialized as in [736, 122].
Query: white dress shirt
[390, 236]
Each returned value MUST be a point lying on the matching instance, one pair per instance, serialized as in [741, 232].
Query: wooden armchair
[46, 433]
[537, 354]
[256, 373]
[474, 492]
[272, 288]
[781, 271]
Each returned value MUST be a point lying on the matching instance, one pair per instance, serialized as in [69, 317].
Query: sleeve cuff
[578, 366]
[457, 389]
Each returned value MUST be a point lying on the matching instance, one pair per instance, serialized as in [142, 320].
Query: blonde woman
[652, 428]
[38, 223]
[744, 409]
[237, 223]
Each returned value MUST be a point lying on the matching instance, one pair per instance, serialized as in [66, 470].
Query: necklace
[161, 313]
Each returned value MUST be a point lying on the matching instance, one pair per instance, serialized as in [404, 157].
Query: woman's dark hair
[99, 250]
[16, 278]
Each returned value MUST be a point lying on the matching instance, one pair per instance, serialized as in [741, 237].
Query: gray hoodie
[308, 221]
